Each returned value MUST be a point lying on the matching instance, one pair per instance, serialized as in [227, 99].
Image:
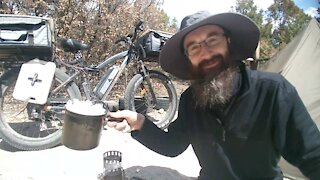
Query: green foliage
[248, 8]
[278, 25]
[288, 20]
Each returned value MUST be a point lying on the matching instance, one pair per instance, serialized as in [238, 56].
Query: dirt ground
[139, 162]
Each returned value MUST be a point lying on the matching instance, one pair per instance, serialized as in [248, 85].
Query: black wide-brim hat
[244, 35]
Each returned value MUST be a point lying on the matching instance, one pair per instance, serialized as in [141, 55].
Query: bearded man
[238, 121]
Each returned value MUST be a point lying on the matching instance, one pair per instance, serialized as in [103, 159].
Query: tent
[299, 62]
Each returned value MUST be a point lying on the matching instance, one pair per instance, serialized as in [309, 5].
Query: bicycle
[31, 126]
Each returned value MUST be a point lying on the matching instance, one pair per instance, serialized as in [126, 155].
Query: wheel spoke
[160, 110]
[31, 126]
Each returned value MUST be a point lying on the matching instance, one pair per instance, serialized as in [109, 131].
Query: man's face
[207, 50]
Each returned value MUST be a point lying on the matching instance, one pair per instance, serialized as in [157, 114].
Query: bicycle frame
[125, 56]
[128, 57]
[90, 93]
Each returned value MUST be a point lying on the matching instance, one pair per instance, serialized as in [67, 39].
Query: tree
[288, 20]
[248, 8]
[278, 25]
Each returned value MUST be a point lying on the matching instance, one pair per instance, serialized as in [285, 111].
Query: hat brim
[244, 35]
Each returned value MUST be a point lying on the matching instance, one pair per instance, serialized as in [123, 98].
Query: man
[239, 122]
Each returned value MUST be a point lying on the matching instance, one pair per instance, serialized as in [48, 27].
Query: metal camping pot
[82, 125]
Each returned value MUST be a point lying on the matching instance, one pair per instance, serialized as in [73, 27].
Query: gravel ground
[63, 163]
[67, 164]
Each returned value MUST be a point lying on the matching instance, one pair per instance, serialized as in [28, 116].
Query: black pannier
[23, 38]
[152, 42]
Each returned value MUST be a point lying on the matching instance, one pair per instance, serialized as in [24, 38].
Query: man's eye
[193, 48]
[212, 41]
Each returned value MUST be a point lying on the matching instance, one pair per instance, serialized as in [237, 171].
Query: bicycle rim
[163, 111]
[30, 126]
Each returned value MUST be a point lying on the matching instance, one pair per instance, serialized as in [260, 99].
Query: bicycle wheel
[138, 97]
[28, 126]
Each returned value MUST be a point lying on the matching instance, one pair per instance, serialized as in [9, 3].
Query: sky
[182, 8]
[309, 6]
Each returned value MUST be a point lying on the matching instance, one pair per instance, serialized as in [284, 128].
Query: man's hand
[125, 120]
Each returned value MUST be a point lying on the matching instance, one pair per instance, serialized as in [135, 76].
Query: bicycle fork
[148, 83]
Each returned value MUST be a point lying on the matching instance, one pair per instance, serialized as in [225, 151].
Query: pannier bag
[23, 38]
[152, 42]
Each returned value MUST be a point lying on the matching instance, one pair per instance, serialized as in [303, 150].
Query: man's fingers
[111, 124]
[114, 116]
[118, 114]
[125, 120]
[121, 114]
[122, 126]
[113, 119]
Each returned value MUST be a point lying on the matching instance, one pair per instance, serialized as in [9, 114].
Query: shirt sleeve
[169, 143]
[296, 134]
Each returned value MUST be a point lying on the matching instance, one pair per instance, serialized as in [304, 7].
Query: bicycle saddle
[72, 45]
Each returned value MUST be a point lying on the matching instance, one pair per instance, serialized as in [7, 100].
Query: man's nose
[205, 51]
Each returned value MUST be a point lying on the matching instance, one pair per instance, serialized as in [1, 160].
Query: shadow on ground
[28, 129]
[155, 173]
[7, 147]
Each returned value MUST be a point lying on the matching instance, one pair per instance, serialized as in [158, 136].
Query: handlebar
[139, 25]
[73, 62]
[124, 39]
[130, 38]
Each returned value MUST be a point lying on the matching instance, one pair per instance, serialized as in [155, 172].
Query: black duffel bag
[152, 43]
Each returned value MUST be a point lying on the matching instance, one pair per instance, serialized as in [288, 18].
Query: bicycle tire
[24, 139]
[136, 98]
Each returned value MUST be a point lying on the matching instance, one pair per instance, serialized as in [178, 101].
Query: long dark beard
[215, 92]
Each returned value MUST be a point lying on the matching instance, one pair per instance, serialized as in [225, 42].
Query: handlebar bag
[153, 41]
[25, 37]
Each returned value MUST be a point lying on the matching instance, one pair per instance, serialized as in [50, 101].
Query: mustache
[216, 57]
[202, 75]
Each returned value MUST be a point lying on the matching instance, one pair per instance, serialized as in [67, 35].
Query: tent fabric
[299, 63]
